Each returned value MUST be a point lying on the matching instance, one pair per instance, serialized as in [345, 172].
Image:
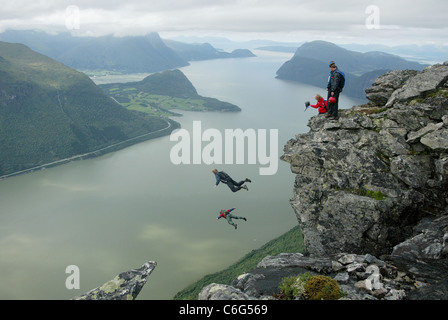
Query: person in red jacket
[228, 216]
[321, 105]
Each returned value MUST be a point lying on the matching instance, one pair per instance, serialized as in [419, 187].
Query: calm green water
[113, 213]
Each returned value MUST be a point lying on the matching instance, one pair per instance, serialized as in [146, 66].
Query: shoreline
[172, 125]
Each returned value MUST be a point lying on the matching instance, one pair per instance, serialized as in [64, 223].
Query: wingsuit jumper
[223, 177]
[228, 216]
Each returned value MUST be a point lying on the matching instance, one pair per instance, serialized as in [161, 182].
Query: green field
[159, 105]
[159, 93]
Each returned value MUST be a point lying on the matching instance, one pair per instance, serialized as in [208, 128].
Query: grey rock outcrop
[126, 286]
[405, 85]
[429, 242]
[383, 87]
[427, 81]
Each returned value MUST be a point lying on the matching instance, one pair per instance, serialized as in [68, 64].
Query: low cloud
[406, 20]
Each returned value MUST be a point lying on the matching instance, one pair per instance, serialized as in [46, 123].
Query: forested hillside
[50, 112]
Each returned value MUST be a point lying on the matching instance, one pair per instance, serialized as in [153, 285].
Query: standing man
[228, 216]
[223, 177]
[335, 84]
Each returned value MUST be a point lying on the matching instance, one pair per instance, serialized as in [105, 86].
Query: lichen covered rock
[126, 286]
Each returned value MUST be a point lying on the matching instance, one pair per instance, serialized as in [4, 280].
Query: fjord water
[113, 213]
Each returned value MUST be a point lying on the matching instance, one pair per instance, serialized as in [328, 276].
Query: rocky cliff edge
[125, 286]
[370, 193]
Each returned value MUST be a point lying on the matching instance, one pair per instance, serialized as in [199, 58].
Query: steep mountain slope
[128, 54]
[50, 112]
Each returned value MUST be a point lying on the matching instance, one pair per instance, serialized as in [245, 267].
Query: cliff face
[370, 193]
[365, 181]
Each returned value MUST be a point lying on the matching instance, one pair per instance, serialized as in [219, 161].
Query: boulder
[383, 87]
[221, 292]
[429, 240]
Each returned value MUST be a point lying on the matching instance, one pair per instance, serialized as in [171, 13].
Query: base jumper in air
[223, 177]
[228, 216]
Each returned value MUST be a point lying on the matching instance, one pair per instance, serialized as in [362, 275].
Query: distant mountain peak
[310, 65]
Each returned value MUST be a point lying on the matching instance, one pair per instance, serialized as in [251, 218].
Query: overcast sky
[343, 21]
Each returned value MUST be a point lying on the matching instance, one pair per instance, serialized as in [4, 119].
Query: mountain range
[429, 53]
[131, 54]
[311, 60]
